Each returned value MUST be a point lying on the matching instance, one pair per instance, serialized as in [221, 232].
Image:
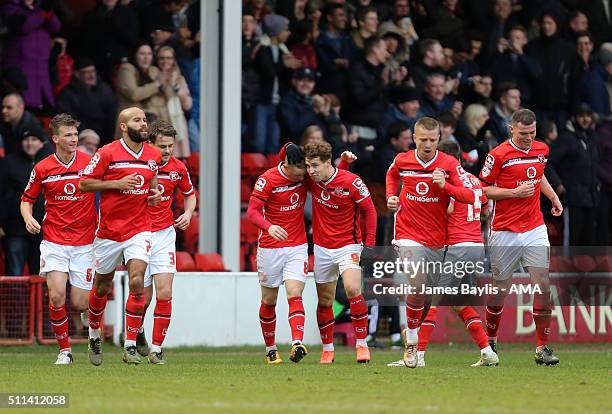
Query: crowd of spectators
[90, 59]
[359, 73]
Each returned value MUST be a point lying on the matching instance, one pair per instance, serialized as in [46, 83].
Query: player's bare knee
[79, 304]
[57, 299]
[136, 283]
[352, 291]
[164, 293]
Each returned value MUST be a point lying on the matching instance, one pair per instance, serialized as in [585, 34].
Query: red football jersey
[285, 201]
[170, 175]
[423, 212]
[335, 213]
[508, 166]
[464, 221]
[124, 213]
[70, 214]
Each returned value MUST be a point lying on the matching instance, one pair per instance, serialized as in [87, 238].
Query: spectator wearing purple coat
[28, 47]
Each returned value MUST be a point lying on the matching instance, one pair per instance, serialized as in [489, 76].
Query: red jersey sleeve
[255, 213]
[34, 187]
[393, 179]
[368, 215]
[454, 185]
[262, 189]
[359, 190]
[184, 183]
[490, 169]
[97, 166]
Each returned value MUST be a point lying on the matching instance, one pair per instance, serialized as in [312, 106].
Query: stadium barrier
[221, 309]
[18, 308]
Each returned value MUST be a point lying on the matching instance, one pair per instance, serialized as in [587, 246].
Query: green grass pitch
[237, 380]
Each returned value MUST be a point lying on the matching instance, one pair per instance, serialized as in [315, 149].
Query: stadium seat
[209, 262]
[253, 164]
[2, 152]
[245, 191]
[248, 231]
[191, 233]
[273, 159]
[604, 264]
[561, 264]
[185, 262]
[193, 165]
[584, 263]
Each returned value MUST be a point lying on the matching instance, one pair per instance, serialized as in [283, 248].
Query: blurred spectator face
[31, 145]
[584, 45]
[450, 4]
[249, 25]
[584, 120]
[316, 135]
[87, 75]
[28, 3]
[502, 9]
[67, 139]
[144, 56]
[580, 23]
[549, 26]
[392, 44]
[12, 109]
[485, 86]
[380, 52]
[284, 35]
[165, 60]
[338, 19]
[258, 4]
[449, 60]
[402, 143]
[401, 9]
[446, 131]
[370, 22]
[436, 53]
[435, 88]
[89, 143]
[303, 86]
[410, 108]
[110, 4]
[517, 38]
[553, 134]
[475, 47]
[511, 100]
[299, 4]
[364, 3]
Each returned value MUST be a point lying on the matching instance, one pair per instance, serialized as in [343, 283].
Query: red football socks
[296, 318]
[161, 320]
[59, 323]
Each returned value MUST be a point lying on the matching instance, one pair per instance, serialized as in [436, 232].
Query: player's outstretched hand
[348, 156]
[557, 207]
[439, 177]
[129, 182]
[154, 197]
[278, 233]
[32, 225]
[393, 203]
[524, 190]
[182, 221]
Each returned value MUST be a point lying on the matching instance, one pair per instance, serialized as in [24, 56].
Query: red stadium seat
[209, 262]
[604, 264]
[583, 263]
[193, 165]
[245, 191]
[561, 264]
[191, 233]
[185, 262]
[273, 159]
[248, 231]
[253, 164]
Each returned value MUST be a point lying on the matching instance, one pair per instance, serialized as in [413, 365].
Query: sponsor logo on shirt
[69, 189]
[294, 200]
[161, 190]
[531, 172]
[542, 158]
[152, 165]
[174, 176]
[138, 190]
[422, 188]
[360, 185]
[325, 195]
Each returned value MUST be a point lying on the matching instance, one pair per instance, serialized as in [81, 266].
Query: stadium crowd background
[357, 74]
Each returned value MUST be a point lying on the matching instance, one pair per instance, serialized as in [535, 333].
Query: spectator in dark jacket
[590, 79]
[511, 64]
[434, 100]
[250, 78]
[604, 173]
[500, 117]
[89, 100]
[20, 246]
[368, 88]
[111, 31]
[272, 62]
[333, 47]
[575, 157]
[556, 57]
[299, 109]
[432, 59]
[600, 20]
[16, 120]
[503, 19]
[404, 107]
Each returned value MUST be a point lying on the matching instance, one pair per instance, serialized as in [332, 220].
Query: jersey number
[172, 258]
[88, 276]
[474, 209]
